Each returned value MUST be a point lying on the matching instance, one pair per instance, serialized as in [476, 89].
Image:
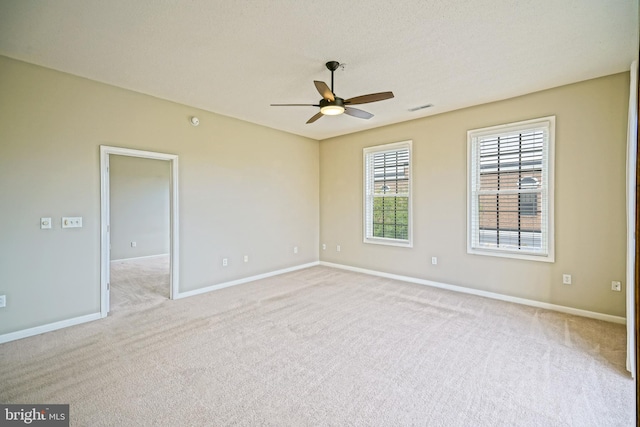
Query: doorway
[105, 229]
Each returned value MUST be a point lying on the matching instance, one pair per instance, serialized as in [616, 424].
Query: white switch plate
[3, 300]
[338, 248]
[324, 246]
[71, 222]
[246, 258]
[295, 249]
[434, 260]
[616, 286]
[133, 244]
[566, 279]
[45, 223]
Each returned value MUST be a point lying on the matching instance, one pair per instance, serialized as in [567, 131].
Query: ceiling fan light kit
[332, 108]
[332, 105]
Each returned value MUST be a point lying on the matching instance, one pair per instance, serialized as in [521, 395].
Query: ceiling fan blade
[372, 97]
[295, 105]
[314, 118]
[324, 90]
[357, 113]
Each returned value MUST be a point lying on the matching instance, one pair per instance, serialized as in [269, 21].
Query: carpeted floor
[324, 347]
[138, 283]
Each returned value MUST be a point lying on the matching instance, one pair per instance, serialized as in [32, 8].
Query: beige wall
[236, 195]
[139, 206]
[589, 198]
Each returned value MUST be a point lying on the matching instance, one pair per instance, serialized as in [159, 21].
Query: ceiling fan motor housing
[332, 108]
[338, 102]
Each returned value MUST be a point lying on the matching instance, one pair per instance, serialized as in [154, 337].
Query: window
[510, 190]
[387, 194]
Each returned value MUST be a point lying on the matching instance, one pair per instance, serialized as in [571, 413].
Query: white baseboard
[140, 257]
[244, 280]
[12, 336]
[486, 294]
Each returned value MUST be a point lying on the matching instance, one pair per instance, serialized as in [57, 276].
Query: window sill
[389, 242]
[509, 254]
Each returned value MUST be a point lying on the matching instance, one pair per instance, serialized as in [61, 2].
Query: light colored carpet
[139, 283]
[325, 347]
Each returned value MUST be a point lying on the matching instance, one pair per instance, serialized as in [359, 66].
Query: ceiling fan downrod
[332, 66]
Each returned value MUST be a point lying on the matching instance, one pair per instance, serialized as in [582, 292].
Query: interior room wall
[590, 144]
[244, 189]
[139, 197]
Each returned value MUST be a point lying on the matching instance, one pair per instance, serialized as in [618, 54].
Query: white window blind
[387, 194]
[510, 196]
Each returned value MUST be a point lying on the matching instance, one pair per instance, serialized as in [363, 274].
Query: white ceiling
[235, 57]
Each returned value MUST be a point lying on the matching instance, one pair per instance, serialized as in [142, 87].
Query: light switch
[45, 223]
[71, 222]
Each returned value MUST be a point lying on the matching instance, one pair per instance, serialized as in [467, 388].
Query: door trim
[105, 238]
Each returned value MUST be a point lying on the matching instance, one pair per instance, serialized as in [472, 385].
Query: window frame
[546, 195]
[367, 213]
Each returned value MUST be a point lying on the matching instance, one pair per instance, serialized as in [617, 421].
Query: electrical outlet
[324, 247]
[246, 258]
[434, 260]
[338, 248]
[225, 262]
[295, 249]
[3, 300]
[566, 279]
[133, 244]
[71, 222]
[616, 286]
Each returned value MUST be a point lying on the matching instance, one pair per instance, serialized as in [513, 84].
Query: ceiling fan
[332, 105]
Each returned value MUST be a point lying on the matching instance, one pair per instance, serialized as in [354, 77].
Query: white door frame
[105, 232]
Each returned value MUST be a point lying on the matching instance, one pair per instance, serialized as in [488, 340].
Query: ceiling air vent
[422, 107]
